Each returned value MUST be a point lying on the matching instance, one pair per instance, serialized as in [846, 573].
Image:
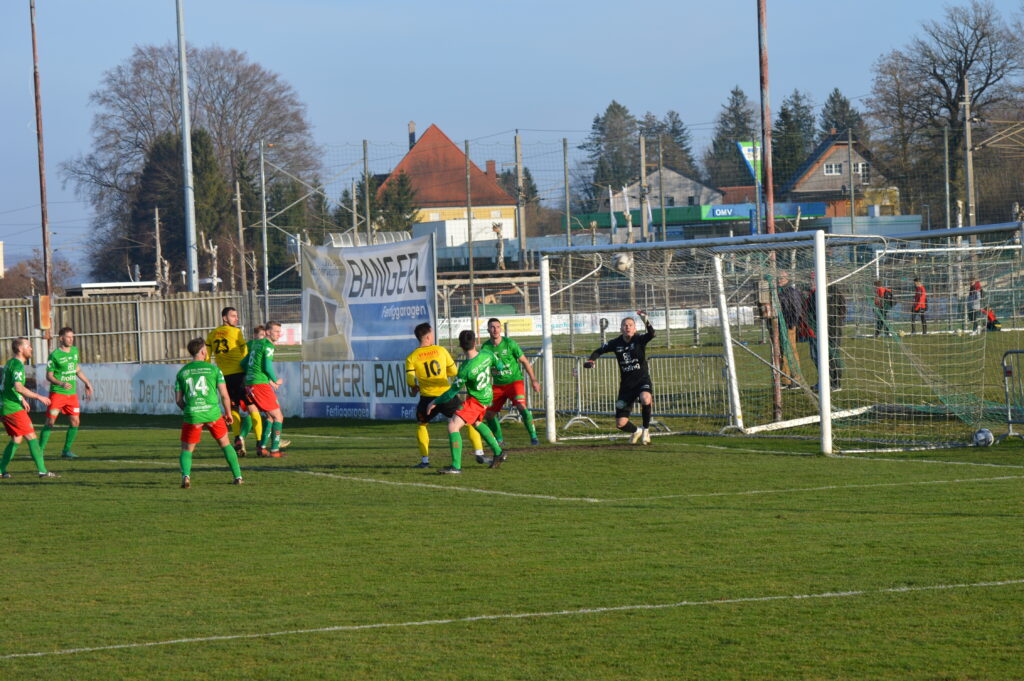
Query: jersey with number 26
[197, 382]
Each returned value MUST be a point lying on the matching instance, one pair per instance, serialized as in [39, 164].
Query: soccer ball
[621, 262]
[983, 437]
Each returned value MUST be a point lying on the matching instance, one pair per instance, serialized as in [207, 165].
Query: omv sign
[736, 211]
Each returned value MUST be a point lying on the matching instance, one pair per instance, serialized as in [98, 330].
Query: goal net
[893, 355]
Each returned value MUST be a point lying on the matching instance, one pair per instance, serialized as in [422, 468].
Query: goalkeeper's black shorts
[629, 392]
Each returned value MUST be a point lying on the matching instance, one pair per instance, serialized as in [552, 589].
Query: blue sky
[475, 68]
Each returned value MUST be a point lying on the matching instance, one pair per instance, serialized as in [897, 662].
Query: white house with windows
[825, 177]
[677, 188]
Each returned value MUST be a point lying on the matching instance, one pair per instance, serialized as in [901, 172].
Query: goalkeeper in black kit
[634, 377]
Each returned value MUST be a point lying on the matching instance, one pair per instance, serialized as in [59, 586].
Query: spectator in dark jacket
[792, 305]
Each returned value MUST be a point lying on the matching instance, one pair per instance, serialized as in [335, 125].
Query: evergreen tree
[507, 181]
[839, 114]
[160, 185]
[677, 149]
[397, 205]
[792, 137]
[612, 150]
[735, 123]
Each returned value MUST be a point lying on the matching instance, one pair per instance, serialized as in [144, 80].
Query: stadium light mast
[191, 246]
[44, 323]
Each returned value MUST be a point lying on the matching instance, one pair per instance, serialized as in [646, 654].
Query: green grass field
[690, 559]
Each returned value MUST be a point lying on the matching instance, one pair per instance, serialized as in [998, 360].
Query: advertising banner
[363, 303]
[356, 389]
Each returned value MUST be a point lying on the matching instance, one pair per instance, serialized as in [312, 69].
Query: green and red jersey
[64, 366]
[259, 363]
[475, 375]
[197, 382]
[14, 372]
[509, 352]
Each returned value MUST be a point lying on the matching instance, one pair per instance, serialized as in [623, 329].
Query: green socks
[455, 441]
[485, 433]
[265, 437]
[229, 454]
[9, 450]
[68, 440]
[275, 436]
[44, 435]
[37, 454]
[186, 462]
[494, 424]
[246, 426]
[528, 422]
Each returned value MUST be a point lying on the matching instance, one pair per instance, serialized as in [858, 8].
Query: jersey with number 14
[430, 366]
[63, 364]
[197, 382]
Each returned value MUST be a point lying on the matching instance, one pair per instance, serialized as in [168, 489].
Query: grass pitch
[690, 559]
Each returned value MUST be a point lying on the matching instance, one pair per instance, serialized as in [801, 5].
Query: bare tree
[235, 100]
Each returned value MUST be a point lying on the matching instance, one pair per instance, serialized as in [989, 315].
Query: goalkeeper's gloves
[589, 364]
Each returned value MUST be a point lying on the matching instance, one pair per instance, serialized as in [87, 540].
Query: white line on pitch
[592, 500]
[859, 458]
[522, 615]
[453, 488]
[396, 483]
[818, 489]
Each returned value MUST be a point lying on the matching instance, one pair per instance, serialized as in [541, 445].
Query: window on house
[691, 200]
[860, 168]
[434, 217]
[495, 213]
[833, 168]
[670, 201]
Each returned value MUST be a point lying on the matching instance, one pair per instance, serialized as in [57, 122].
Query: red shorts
[63, 404]
[192, 432]
[471, 411]
[18, 423]
[263, 396]
[514, 391]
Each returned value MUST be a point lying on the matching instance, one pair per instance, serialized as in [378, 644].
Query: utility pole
[469, 238]
[162, 268]
[945, 168]
[191, 251]
[849, 174]
[661, 187]
[355, 214]
[366, 192]
[644, 222]
[968, 158]
[565, 171]
[241, 243]
[520, 223]
[44, 216]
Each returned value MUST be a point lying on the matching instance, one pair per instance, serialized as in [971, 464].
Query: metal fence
[140, 329]
[1013, 382]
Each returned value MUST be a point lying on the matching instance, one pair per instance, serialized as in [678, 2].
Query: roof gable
[436, 168]
[823, 151]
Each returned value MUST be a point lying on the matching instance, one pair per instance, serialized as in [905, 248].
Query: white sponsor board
[149, 388]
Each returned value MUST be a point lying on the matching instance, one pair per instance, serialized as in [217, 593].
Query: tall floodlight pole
[42, 163]
[945, 171]
[565, 174]
[769, 193]
[263, 228]
[469, 239]
[969, 198]
[645, 223]
[191, 246]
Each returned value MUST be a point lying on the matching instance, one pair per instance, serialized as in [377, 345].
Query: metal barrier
[685, 386]
[1013, 384]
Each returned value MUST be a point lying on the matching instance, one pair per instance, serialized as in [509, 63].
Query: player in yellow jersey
[427, 370]
[227, 347]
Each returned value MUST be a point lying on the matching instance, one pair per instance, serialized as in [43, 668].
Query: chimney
[412, 134]
[491, 171]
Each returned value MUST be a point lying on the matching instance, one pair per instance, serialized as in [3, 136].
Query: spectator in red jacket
[919, 307]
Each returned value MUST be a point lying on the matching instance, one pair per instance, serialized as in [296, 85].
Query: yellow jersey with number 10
[429, 367]
[227, 348]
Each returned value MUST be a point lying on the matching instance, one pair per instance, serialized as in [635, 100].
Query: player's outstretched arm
[649, 333]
